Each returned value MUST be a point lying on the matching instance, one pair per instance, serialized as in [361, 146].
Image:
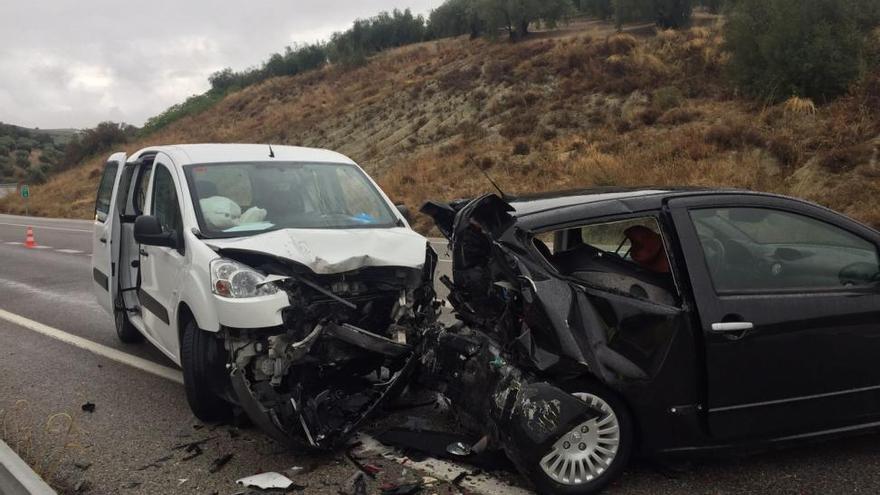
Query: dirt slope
[563, 110]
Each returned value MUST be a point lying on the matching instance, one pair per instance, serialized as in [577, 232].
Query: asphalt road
[127, 444]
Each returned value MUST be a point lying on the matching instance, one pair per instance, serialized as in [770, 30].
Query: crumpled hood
[328, 251]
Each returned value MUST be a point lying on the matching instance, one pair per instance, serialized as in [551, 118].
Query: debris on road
[266, 481]
[423, 444]
[404, 489]
[356, 485]
[369, 470]
[155, 464]
[88, 407]
[219, 462]
[194, 450]
[191, 445]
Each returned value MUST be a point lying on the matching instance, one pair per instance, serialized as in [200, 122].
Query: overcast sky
[66, 63]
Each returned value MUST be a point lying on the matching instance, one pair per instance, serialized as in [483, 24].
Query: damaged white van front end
[348, 306]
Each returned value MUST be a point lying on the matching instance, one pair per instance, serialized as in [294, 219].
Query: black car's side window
[627, 256]
[762, 249]
[164, 205]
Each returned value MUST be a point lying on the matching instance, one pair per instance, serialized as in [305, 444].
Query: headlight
[234, 280]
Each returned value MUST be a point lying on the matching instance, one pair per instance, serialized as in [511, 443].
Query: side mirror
[148, 231]
[405, 212]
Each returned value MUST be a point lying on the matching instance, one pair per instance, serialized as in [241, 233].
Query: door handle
[143, 252]
[103, 240]
[732, 326]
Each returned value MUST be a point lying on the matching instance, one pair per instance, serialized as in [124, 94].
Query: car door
[105, 240]
[789, 310]
[162, 268]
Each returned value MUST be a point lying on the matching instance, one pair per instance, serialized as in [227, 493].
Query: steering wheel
[859, 273]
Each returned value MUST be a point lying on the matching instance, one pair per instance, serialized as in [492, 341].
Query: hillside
[568, 109]
[28, 155]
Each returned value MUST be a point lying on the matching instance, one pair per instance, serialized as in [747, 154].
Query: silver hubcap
[585, 452]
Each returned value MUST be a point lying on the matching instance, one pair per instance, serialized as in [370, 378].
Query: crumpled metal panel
[332, 251]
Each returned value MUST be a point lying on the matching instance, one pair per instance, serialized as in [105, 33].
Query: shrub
[667, 98]
[519, 124]
[521, 148]
[783, 48]
[784, 149]
[678, 116]
[733, 134]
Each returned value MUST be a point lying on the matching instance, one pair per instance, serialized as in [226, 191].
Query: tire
[126, 332]
[203, 359]
[597, 432]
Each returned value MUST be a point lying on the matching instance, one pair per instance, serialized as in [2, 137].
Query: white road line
[42, 247]
[14, 243]
[38, 226]
[93, 347]
[69, 251]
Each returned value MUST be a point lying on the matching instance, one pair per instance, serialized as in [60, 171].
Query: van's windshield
[238, 199]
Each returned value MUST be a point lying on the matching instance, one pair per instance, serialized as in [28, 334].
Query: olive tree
[516, 16]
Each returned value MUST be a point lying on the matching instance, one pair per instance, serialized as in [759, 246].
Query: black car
[600, 324]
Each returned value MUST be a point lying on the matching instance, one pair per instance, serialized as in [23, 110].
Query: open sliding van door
[105, 241]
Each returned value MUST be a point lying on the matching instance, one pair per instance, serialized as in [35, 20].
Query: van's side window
[165, 206]
[105, 191]
[140, 193]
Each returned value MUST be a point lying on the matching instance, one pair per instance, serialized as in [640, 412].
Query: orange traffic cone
[29, 241]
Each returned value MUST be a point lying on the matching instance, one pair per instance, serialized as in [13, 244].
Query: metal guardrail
[17, 478]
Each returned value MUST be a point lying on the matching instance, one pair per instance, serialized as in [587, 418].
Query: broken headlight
[234, 280]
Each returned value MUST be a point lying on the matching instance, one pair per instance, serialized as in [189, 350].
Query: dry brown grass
[576, 110]
[797, 105]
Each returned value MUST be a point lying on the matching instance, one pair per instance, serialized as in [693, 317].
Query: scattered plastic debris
[460, 449]
[266, 481]
[88, 407]
[372, 468]
[219, 462]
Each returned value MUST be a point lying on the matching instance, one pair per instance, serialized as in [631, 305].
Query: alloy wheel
[587, 450]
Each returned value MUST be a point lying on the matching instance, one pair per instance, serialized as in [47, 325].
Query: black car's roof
[646, 197]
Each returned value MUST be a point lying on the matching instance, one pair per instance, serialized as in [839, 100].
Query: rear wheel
[203, 359]
[592, 454]
[126, 332]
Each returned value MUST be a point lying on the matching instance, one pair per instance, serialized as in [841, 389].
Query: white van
[281, 279]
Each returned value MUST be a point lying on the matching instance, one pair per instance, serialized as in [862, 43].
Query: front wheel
[591, 455]
[203, 359]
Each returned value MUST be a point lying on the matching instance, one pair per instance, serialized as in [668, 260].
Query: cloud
[74, 64]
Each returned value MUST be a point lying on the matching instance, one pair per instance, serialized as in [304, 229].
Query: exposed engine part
[345, 347]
